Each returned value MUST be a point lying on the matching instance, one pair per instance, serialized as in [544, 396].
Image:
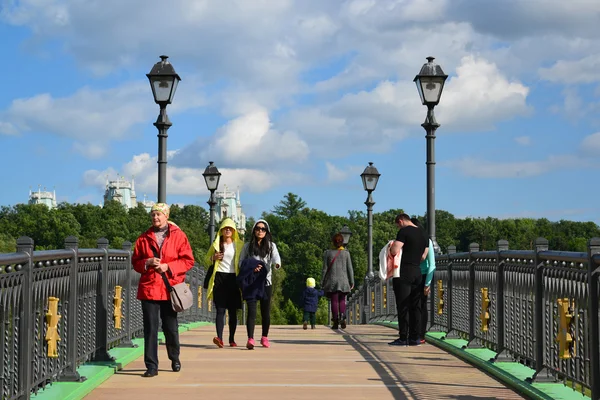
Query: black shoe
[305, 325]
[343, 324]
[176, 366]
[398, 342]
[150, 373]
[335, 325]
[312, 327]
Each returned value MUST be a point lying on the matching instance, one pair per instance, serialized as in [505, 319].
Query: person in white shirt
[225, 254]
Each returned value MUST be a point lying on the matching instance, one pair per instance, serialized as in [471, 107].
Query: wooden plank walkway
[354, 364]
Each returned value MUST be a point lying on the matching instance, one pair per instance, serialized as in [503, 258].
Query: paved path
[312, 364]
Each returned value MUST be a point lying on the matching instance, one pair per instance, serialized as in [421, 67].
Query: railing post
[541, 374]
[448, 304]
[25, 245]
[128, 271]
[70, 374]
[594, 332]
[502, 354]
[101, 308]
[473, 343]
[366, 296]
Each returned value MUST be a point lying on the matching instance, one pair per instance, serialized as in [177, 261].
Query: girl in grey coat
[337, 279]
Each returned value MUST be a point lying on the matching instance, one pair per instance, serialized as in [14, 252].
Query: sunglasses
[260, 229]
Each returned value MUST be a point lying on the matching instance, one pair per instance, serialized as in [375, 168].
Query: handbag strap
[331, 263]
[164, 276]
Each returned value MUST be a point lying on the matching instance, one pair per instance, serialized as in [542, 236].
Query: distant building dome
[43, 197]
[122, 191]
[229, 205]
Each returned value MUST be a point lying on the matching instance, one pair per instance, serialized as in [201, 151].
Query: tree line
[301, 234]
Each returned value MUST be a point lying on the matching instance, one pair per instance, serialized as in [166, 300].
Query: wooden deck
[314, 364]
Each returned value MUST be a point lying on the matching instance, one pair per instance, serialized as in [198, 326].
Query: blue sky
[298, 96]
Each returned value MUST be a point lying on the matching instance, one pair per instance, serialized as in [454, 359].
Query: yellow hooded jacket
[215, 248]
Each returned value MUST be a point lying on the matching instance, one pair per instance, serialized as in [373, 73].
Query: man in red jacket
[162, 249]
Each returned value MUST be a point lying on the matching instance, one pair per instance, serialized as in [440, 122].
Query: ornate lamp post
[370, 176]
[430, 83]
[163, 81]
[211, 177]
[346, 234]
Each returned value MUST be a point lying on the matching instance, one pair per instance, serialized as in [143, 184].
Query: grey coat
[340, 276]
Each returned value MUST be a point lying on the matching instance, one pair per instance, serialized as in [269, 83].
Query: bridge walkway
[356, 363]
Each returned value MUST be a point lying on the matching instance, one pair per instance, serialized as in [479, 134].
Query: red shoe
[218, 342]
[232, 344]
[250, 344]
[422, 341]
[265, 342]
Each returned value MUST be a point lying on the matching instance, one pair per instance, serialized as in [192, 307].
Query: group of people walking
[163, 255]
[244, 272]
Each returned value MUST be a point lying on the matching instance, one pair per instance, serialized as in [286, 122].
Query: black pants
[424, 312]
[151, 309]
[310, 316]
[407, 290]
[265, 313]
[220, 322]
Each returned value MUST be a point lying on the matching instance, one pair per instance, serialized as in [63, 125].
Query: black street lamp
[370, 176]
[163, 81]
[211, 177]
[430, 83]
[346, 234]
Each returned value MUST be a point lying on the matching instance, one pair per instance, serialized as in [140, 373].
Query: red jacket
[176, 252]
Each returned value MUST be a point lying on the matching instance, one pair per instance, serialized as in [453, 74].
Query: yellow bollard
[385, 296]
[373, 302]
[485, 307]
[199, 297]
[357, 313]
[440, 294]
[566, 343]
[117, 301]
[52, 319]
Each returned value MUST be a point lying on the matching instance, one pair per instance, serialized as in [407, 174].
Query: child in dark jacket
[310, 301]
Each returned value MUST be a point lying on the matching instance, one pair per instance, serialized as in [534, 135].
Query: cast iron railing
[537, 307]
[62, 308]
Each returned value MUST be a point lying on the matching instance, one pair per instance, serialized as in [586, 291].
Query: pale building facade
[43, 197]
[229, 205]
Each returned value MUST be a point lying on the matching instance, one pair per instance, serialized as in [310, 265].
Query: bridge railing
[538, 307]
[61, 308]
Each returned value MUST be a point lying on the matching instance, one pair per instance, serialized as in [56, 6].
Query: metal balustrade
[59, 309]
[537, 307]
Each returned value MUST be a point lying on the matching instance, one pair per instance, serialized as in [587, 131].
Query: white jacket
[383, 262]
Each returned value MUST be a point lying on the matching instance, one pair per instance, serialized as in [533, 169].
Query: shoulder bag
[180, 294]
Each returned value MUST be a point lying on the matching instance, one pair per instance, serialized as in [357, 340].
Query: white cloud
[480, 168]
[189, 181]
[90, 150]
[93, 117]
[247, 141]
[477, 98]
[6, 128]
[584, 70]
[335, 174]
[523, 140]
[590, 145]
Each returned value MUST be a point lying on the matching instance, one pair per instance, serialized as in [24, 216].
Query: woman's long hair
[264, 248]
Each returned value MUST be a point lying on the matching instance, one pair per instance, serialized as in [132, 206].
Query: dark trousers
[151, 310]
[220, 322]
[265, 313]
[424, 312]
[310, 316]
[407, 290]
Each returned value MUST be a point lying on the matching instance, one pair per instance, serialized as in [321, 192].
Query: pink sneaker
[265, 342]
[250, 344]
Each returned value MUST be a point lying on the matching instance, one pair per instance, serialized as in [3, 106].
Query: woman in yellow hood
[222, 288]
